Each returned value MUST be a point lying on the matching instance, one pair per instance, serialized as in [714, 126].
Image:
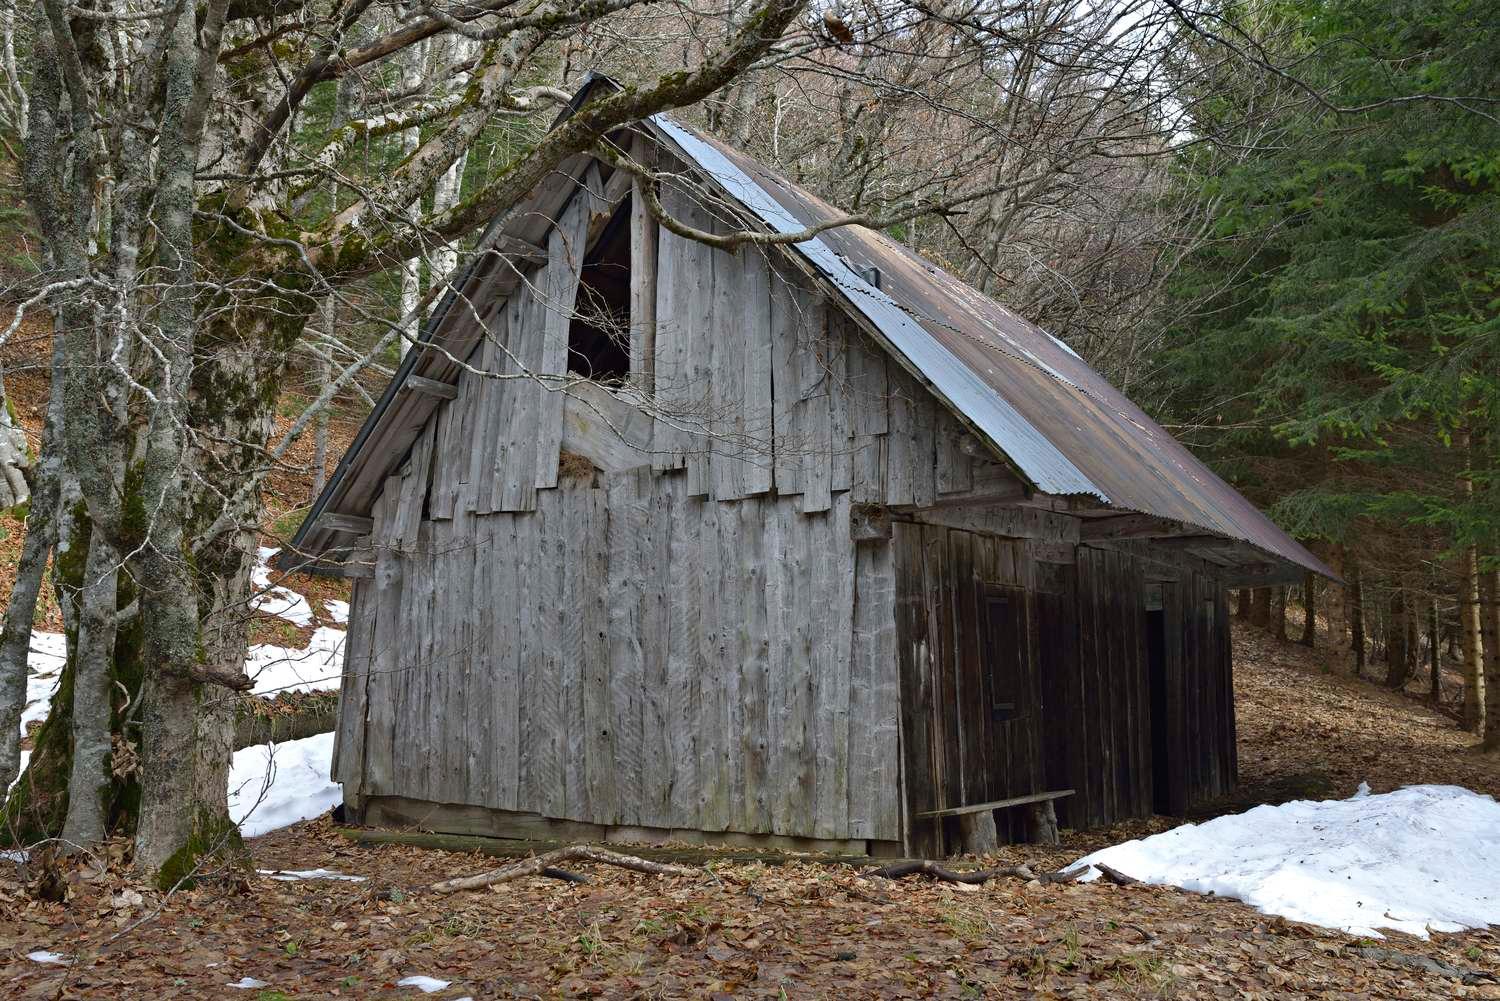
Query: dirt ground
[797, 930]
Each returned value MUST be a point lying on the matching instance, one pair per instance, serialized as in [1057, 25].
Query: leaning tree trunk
[31, 570]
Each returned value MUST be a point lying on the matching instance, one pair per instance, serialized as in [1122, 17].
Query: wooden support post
[978, 833]
[1041, 823]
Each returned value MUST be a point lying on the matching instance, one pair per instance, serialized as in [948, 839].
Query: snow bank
[1421, 859]
[276, 669]
[275, 785]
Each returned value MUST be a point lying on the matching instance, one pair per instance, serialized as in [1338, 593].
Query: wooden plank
[661, 513]
[785, 376]
[714, 563]
[874, 699]
[349, 738]
[643, 269]
[840, 458]
[753, 662]
[753, 475]
[921, 838]
[504, 667]
[973, 709]
[430, 387]
[1000, 804]
[513, 476]
[671, 376]
[482, 422]
[333, 521]
[830, 555]
[812, 417]
[385, 652]
[565, 523]
[602, 738]
[683, 723]
[565, 250]
[631, 574]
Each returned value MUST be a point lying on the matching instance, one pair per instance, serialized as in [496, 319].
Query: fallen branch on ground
[932, 869]
[538, 865]
[936, 871]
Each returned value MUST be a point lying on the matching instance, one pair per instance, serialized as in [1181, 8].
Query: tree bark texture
[1260, 607]
[1356, 619]
[1489, 615]
[87, 820]
[1469, 615]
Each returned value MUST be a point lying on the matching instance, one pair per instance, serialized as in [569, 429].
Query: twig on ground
[540, 864]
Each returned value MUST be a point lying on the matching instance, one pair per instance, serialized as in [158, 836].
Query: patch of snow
[248, 984]
[424, 984]
[292, 875]
[317, 668]
[277, 601]
[44, 663]
[17, 855]
[1421, 859]
[275, 785]
[42, 956]
[338, 610]
[25, 758]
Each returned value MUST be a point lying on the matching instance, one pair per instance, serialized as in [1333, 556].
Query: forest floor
[800, 929]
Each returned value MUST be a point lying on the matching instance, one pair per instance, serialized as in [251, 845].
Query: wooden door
[1011, 691]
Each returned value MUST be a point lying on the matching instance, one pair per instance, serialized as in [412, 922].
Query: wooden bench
[977, 820]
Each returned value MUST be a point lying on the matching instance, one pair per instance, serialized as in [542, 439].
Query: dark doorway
[1156, 666]
[599, 335]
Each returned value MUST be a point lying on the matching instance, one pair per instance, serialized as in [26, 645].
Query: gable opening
[599, 335]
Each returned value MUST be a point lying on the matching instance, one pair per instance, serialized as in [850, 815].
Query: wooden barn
[806, 545]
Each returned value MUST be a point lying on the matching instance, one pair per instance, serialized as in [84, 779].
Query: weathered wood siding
[627, 654]
[1085, 722]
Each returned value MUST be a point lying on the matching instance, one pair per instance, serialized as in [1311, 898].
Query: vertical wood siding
[635, 655]
[1086, 722]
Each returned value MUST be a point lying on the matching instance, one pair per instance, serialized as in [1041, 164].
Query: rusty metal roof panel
[1063, 426]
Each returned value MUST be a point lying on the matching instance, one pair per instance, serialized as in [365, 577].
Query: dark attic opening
[599, 336]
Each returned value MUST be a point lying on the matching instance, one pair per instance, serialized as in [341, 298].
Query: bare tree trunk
[89, 779]
[1474, 653]
[1398, 659]
[1260, 607]
[321, 374]
[1489, 619]
[1434, 652]
[1338, 603]
[1356, 619]
[1277, 626]
[1310, 610]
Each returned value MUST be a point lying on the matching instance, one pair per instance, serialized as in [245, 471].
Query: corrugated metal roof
[1063, 426]
[1060, 424]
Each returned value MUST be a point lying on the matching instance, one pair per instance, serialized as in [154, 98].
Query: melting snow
[42, 956]
[278, 601]
[275, 785]
[292, 875]
[276, 669]
[337, 610]
[248, 983]
[1421, 859]
[424, 984]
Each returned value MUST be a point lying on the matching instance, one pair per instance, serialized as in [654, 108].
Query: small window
[599, 335]
[1005, 653]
